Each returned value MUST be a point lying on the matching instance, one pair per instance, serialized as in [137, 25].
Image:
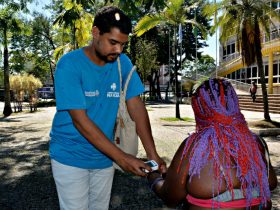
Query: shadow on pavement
[27, 183]
[132, 192]
[26, 180]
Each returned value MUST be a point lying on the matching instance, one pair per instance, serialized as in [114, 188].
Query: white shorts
[82, 189]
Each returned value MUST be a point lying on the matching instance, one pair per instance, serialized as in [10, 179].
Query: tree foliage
[175, 13]
[205, 65]
[76, 23]
[146, 58]
[146, 61]
[24, 85]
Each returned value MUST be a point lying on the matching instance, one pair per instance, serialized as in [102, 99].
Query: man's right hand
[132, 164]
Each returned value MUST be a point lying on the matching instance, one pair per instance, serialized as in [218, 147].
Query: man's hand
[161, 163]
[132, 164]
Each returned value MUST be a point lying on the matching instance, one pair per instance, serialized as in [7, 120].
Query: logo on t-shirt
[92, 93]
[113, 93]
[113, 86]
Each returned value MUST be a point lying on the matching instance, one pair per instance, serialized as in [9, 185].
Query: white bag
[125, 137]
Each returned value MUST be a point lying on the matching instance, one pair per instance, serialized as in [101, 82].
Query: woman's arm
[272, 178]
[172, 189]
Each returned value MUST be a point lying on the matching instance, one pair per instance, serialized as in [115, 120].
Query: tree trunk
[52, 76]
[153, 87]
[261, 73]
[7, 107]
[168, 86]
[158, 86]
[151, 91]
[166, 93]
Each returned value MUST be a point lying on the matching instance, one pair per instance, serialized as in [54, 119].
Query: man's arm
[139, 115]
[96, 137]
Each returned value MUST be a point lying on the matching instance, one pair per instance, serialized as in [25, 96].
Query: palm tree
[8, 23]
[245, 19]
[76, 21]
[137, 8]
[172, 15]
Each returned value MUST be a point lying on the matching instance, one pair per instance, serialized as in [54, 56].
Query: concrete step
[259, 110]
[246, 103]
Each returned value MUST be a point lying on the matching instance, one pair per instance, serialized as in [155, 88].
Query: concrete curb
[266, 131]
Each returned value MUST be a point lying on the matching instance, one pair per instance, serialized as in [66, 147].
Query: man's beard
[105, 57]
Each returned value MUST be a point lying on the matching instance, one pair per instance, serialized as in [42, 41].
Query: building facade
[231, 65]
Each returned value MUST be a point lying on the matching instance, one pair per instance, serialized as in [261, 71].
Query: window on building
[242, 73]
[254, 71]
[233, 48]
[266, 70]
[249, 73]
[228, 49]
[238, 74]
[275, 69]
[275, 79]
[274, 33]
[275, 5]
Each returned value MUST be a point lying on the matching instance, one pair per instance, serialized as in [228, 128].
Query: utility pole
[215, 22]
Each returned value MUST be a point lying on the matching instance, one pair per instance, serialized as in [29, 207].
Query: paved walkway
[26, 181]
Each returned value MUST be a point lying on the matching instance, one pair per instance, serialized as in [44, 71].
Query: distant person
[87, 89]
[253, 90]
[222, 165]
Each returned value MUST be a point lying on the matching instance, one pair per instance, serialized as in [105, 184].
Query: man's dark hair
[109, 17]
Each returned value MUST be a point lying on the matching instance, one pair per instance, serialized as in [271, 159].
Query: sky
[37, 5]
[212, 48]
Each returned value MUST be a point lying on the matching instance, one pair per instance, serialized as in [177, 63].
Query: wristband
[157, 180]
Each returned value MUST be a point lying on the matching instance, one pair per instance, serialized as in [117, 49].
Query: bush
[46, 103]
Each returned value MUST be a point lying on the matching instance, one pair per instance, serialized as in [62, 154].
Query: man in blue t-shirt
[87, 96]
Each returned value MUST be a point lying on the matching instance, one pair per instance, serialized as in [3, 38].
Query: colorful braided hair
[220, 127]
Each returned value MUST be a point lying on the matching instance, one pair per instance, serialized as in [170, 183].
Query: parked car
[46, 92]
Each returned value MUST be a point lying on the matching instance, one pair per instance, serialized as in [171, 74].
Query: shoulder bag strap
[122, 98]
[120, 72]
[128, 80]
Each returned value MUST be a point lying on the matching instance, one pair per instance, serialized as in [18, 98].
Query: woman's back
[202, 188]
[222, 164]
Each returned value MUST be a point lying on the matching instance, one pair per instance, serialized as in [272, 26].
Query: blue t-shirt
[80, 84]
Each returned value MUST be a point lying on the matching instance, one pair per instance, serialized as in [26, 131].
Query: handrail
[239, 85]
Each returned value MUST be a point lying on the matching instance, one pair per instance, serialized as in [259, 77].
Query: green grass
[173, 119]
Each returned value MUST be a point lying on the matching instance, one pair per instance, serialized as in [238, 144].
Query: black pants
[253, 95]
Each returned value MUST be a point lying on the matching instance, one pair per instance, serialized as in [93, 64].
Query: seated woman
[222, 165]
